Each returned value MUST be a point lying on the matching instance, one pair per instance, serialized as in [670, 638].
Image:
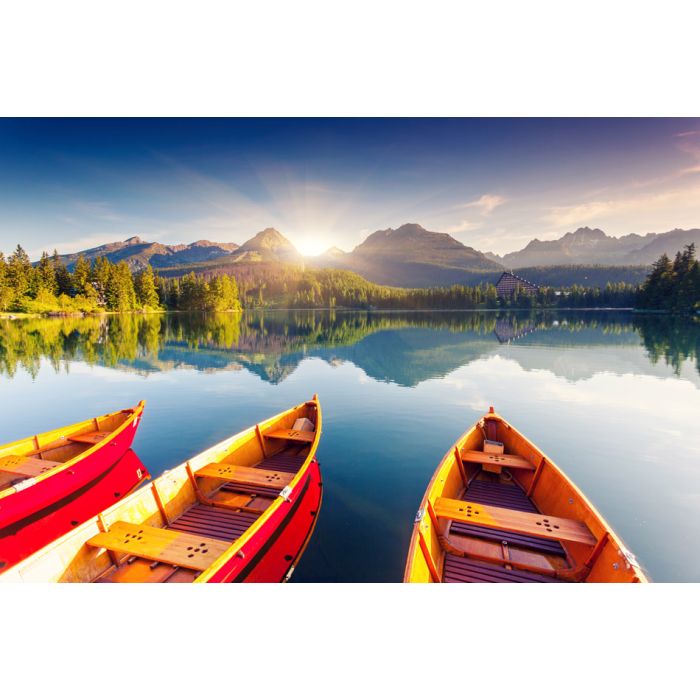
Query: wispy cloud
[463, 225]
[481, 208]
[484, 204]
[592, 212]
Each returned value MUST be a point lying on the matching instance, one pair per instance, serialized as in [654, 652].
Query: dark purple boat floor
[211, 521]
[463, 570]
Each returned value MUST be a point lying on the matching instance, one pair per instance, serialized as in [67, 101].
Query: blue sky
[492, 183]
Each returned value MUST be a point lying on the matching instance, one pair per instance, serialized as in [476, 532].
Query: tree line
[50, 287]
[672, 285]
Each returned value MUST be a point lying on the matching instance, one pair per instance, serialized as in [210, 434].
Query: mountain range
[587, 246]
[139, 253]
[409, 256]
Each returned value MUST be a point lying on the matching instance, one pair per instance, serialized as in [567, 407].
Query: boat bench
[510, 461]
[90, 438]
[167, 546]
[290, 434]
[546, 526]
[23, 465]
[249, 476]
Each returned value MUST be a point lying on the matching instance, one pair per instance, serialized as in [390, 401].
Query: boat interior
[37, 455]
[498, 511]
[178, 526]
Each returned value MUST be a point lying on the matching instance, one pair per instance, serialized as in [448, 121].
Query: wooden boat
[243, 510]
[499, 510]
[53, 481]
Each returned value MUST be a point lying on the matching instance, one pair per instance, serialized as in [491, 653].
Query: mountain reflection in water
[405, 348]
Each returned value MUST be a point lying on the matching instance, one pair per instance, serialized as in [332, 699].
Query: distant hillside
[410, 256]
[139, 253]
[587, 246]
[567, 275]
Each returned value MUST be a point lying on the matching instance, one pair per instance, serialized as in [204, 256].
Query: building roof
[508, 282]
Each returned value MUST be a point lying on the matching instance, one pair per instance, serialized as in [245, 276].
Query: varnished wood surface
[514, 520]
[296, 435]
[250, 476]
[167, 546]
[510, 461]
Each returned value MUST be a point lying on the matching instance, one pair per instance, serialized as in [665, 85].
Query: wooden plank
[510, 461]
[249, 476]
[546, 526]
[26, 466]
[157, 544]
[90, 438]
[296, 435]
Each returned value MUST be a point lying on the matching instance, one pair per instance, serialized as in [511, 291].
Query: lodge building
[509, 285]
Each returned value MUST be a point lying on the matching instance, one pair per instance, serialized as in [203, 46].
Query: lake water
[613, 398]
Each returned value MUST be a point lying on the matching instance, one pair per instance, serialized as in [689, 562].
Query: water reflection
[613, 397]
[404, 348]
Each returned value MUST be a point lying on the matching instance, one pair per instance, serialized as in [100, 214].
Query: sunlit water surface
[613, 398]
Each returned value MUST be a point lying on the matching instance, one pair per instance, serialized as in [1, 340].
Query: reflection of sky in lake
[624, 429]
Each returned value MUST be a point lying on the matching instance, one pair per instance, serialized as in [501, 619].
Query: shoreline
[18, 315]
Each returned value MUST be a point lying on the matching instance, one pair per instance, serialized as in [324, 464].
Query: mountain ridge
[587, 246]
[409, 256]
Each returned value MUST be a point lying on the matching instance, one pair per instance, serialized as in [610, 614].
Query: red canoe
[242, 511]
[52, 482]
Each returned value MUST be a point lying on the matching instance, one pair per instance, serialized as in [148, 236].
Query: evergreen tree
[21, 273]
[672, 286]
[120, 294]
[6, 292]
[146, 291]
[101, 274]
[82, 274]
[64, 282]
[46, 276]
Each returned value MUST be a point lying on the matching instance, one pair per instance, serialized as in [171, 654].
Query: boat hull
[271, 555]
[481, 518]
[35, 516]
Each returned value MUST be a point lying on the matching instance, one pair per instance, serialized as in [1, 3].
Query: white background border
[362, 58]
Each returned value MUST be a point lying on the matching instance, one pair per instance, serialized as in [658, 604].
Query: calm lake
[612, 397]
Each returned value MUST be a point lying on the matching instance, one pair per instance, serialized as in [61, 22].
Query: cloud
[485, 204]
[593, 211]
[463, 225]
[482, 207]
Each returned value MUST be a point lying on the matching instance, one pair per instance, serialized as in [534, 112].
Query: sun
[312, 245]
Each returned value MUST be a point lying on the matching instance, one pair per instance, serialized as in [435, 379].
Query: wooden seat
[250, 476]
[90, 438]
[510, 461]
[167, 546]
[22, 465]
[289, 434]
[514, 521]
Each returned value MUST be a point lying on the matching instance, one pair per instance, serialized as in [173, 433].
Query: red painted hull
[271, 555]
[32, 518]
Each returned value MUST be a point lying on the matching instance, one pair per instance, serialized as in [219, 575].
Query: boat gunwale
[443, 466]
[134, 412]
[264, 517]
[84, 531]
